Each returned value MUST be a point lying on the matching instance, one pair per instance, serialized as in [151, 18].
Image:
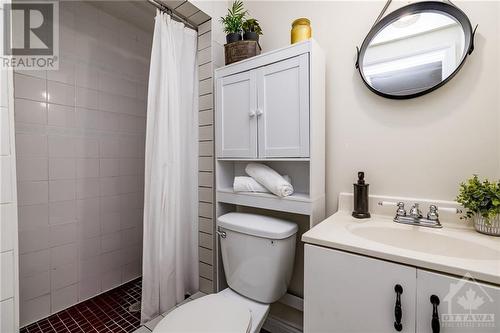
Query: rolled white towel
[248, 184]
[269, 178]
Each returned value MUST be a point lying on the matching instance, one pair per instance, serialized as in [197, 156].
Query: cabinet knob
[435, 325]
[252, 114]
[398, 311]
[259, 112]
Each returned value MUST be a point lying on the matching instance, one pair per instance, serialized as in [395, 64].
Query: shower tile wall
[80, 135]
[206, 160]
[9, 300]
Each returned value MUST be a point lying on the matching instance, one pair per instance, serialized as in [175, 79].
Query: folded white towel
[248, 184]
[269, 178]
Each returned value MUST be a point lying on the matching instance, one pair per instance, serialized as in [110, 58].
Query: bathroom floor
[108, 312]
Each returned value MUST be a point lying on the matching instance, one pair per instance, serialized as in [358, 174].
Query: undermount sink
[427, 241]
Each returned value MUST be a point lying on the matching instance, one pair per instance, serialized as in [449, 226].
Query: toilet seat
[211, 313]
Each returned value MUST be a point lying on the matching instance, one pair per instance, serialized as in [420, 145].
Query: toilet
[258, 254]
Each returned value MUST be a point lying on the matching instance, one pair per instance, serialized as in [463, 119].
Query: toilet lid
[211, 313]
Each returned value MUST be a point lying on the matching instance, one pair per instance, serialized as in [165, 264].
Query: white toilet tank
[258, 254]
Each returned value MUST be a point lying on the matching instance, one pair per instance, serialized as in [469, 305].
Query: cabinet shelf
[275, 159]
[299, 203]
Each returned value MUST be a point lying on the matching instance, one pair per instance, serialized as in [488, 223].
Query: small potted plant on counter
[482, 203]
[233, 21]
[251, 29]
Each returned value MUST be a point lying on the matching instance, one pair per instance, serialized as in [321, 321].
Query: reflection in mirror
[414, 53]
[415, 49]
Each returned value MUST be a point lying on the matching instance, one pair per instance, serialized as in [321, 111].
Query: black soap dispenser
[361, 198]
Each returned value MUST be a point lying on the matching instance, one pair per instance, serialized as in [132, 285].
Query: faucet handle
[433, 213]
[401, 209]
[415, 211]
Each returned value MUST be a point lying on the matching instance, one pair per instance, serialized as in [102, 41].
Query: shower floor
[108, 312]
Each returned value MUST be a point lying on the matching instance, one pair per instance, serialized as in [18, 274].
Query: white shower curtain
[170, 256]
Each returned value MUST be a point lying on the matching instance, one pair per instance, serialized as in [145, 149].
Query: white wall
[9, 268]
[214, 9]
[80, 160]
[418, 148]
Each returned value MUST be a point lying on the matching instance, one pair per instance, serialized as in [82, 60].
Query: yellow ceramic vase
[301, 30]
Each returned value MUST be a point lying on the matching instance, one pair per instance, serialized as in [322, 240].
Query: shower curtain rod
[176, 16]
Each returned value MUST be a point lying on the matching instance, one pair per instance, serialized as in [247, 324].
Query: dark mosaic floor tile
[106, 313]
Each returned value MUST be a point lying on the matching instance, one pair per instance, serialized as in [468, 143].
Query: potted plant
[482, 203]
[233, 21]
[251, 29]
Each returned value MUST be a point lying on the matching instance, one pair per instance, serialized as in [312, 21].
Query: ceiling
[141, 14]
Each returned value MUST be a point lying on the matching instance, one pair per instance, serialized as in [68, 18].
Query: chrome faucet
[415, 211]
[415, 216]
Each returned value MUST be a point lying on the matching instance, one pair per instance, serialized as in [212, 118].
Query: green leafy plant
[481, 198]
[252, 25]
[233, 21]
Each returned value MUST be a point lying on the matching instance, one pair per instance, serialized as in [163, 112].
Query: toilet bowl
[225, 311]
[257, 254]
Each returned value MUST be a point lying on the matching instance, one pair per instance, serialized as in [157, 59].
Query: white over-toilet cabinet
[270, 109]
[345, 292]
[264, 112]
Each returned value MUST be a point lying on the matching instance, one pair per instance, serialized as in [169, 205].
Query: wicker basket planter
[241, 50]
[491, 227]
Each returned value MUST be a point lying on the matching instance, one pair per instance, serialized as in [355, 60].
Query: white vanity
[352, 268]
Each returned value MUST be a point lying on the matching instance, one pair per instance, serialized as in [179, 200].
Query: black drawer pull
[435, 325]
[398, 312]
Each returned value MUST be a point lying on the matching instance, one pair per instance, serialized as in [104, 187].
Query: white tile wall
[29, 111]
[34, 262]
[32, 169]
[9, 249]
[5, 135]
[35, 308]
[61, 115]
[35, 285]
[7, 311]
[80, 138]
[8, 231]
[29, 87]
[6, 186]
[7, 282]
[64, 297]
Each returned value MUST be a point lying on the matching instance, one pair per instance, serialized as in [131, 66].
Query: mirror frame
[415, 8]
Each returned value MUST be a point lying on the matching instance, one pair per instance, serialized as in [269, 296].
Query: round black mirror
[415, 49]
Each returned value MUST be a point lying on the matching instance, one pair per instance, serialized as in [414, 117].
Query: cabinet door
[345, 292]
[283, 108]
[236, 123]
[464, 305]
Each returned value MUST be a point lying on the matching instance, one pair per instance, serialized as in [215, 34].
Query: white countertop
[454, 249]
